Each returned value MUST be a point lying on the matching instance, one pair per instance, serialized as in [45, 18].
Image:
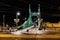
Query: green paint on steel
[29, 22]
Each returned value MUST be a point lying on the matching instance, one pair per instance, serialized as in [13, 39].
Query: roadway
[50, 35]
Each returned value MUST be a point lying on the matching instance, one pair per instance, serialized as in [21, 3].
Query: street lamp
[17, 14]
[3, 20]
[38, 13]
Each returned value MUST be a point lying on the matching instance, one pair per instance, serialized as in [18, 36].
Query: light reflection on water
[29, 38]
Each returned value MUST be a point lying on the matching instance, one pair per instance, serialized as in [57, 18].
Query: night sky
[50, 10]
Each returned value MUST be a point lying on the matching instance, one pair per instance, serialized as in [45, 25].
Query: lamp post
[17, 14]
[3, 20]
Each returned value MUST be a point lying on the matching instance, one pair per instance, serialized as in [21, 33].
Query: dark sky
[50, 9]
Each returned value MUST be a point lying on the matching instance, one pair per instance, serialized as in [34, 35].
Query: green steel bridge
[32, 21]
